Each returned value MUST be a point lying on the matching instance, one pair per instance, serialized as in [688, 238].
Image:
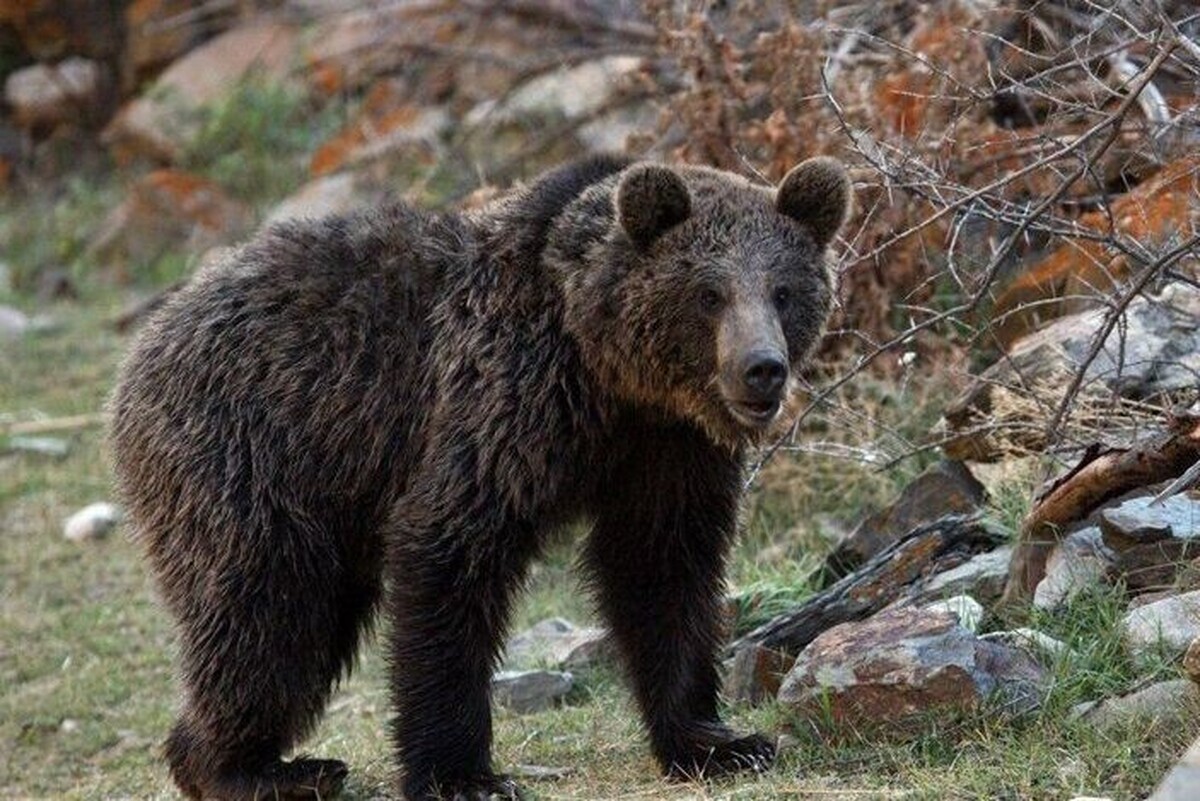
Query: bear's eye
[710, 300]
[783, 296]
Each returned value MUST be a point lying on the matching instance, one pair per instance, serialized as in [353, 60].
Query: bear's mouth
[755, 414]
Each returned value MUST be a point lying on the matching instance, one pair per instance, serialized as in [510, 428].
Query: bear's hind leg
[261, 647]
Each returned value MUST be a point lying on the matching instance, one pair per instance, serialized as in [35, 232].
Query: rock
[530, 690]
[1157, 350]
[1079, 562]
[570, 92]
[14, 323]
[333, 194]
[982, 576]
[1152, 539]
[167, 210]
[1140, 520]
[756, 674]
[158, 32]
[1031, 641]
[92, 522]
[1158, 703]
[388, 124]
[945, 488]
[42, 446]
[163, 122]
[1182, 783]
[1172, 623]
[43, 96]
[557, 643]
[1191, 661]
[888, 671]
[968, 611]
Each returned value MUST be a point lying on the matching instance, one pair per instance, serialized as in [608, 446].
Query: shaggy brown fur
[421, 398]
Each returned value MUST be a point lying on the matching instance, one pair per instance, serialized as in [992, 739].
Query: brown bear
[408, 400]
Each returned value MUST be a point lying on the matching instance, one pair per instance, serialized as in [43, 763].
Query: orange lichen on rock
[1167, 205]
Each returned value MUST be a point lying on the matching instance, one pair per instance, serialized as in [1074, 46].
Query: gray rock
[885, 672]
[569, 92]
[1156, 350]
[1164, 701]
[1172, 623]
[982, 577]
[530, 690]
[1183, 781]
[1077, 563]
[559, 644]
[92, 522]
[967, 609]
[1142, 520]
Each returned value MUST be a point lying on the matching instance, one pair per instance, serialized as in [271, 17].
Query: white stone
[92, 521]
[1078, 562]
[1172, 622]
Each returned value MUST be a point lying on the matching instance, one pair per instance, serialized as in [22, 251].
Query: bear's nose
[764, 373]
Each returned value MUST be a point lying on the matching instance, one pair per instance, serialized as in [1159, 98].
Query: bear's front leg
[663, 530]
[453, 569]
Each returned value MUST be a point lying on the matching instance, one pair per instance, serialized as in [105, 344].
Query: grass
[86, 654]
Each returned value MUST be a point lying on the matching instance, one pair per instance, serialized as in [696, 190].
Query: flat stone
[525, 691]
[982, 577]
[1172, 623]
[1158, 703]
[92, 522]
[1079, 562]
[888, 671]
[1138, 521]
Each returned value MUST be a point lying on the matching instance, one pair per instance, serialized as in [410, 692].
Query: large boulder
[1154, 351]
[164, 121]
[890, 671]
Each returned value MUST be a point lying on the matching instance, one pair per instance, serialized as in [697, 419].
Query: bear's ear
[816, 194]
[650, 200]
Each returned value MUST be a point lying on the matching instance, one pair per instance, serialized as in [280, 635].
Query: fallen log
[1101, 475]
[888, 576]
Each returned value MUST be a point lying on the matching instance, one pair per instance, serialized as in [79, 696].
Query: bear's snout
[753, 386]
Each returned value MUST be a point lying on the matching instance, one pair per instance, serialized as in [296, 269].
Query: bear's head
[698, 292]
